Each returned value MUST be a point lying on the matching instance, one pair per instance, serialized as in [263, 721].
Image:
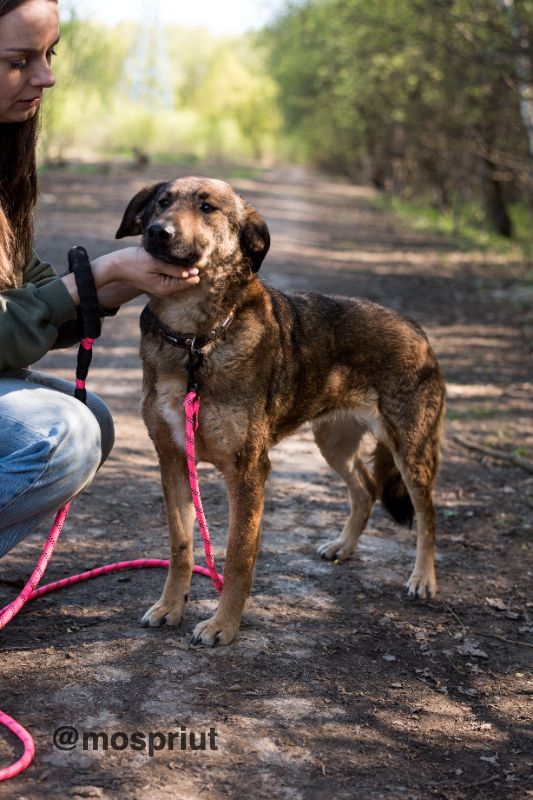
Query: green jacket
[38, 317]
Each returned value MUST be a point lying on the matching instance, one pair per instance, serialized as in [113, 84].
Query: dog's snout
[160, 232]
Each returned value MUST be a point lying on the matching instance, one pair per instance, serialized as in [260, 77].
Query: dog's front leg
[246, 491]
[170, 608]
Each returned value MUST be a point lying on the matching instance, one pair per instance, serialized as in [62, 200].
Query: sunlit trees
[224, 101]
[421, 98]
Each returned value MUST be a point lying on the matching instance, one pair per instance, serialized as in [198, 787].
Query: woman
[50, 444]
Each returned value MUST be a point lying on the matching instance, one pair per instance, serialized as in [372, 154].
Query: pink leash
[30, 591]
[192, 407]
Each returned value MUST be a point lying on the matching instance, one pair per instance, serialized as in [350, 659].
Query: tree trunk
[524, 72]
[495, 201]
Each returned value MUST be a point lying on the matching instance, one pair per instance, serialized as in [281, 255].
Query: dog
[271, 362]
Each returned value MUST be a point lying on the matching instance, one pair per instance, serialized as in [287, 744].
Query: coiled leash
[89, 311]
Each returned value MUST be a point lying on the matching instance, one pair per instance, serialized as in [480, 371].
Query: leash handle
[89, 314]
[80, 265]
[192, 408]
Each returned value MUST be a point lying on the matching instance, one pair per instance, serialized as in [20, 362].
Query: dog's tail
[390, 486]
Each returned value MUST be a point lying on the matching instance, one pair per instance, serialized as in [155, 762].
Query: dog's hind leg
[339, 439]
[423, 581]
[417, 459]
[170, 608]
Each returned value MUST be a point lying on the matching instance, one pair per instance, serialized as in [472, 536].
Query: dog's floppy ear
[255, 238]
[133, 220]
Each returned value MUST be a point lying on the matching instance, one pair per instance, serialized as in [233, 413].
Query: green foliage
[89, 59]
[225, 103]
[466, 226]
[421, 98]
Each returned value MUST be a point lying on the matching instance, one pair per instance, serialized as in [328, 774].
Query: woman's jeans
[51, 446]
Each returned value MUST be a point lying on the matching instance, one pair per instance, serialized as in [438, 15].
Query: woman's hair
[18, 188]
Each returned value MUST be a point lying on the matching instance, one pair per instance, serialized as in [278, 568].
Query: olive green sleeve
[38, 317]
[32, 317]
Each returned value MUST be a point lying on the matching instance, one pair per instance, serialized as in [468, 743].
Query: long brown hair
[18, 189]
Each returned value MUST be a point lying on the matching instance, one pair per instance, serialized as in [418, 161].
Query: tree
[421, 98]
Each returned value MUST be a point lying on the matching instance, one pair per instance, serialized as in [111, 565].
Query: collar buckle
[193, 343]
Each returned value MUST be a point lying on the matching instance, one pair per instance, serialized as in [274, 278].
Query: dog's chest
[221, 430]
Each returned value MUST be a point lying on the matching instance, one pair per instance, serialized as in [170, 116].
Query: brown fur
[347, 365]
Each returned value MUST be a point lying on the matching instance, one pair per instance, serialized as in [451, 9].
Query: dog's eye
[207, 208]
[164, 202]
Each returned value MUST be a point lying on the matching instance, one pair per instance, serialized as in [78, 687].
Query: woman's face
[27, 38]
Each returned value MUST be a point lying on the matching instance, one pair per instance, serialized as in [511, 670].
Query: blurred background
[430, 102]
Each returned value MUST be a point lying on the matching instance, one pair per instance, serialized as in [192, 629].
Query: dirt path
[338, 686]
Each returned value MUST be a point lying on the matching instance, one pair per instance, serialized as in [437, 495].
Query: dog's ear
[255, 237]
[135, 216]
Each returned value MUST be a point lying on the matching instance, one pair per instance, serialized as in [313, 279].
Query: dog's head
[198, 222]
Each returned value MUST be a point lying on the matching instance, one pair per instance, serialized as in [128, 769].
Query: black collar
[150, 323]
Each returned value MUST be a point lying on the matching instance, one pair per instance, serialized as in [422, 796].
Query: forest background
[431, 102]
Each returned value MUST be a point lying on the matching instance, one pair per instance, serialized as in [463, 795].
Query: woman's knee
[96, 405]
[105, 421]
[76, 441]
[54, 455]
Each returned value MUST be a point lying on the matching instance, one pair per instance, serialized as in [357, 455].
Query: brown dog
[272, 361]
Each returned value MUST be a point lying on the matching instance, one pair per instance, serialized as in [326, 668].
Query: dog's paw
[213, 632]
[422, 585]
[337, 550]
[162, 613]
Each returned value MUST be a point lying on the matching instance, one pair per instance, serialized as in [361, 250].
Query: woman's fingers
[164, 284]
[134, 267]
[170, 278]
[175, 272]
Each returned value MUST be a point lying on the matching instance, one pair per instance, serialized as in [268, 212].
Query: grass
[467, 227]
[227, 167]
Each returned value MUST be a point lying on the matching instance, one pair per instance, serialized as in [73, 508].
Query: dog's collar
[150, 323]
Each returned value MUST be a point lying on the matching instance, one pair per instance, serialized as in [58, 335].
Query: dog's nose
[159, 232]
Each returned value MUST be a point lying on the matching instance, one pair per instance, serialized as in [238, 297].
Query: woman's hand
[124, 274]
[136, 268]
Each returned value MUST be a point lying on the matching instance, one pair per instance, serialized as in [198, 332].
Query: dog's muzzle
[161, 240]
[159, 233]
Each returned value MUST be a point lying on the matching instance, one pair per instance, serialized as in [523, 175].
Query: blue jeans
[51, 446]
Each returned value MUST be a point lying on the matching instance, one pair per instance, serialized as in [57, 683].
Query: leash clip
[196, 359]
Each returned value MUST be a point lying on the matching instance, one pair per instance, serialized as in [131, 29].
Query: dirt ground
[338, 685]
